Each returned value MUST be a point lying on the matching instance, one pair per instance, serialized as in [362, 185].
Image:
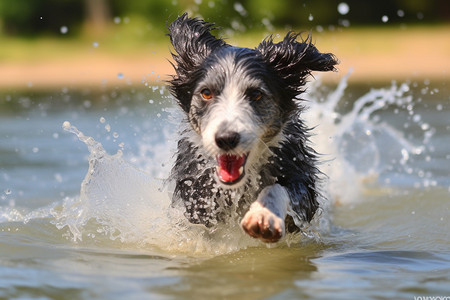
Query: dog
[244, 155]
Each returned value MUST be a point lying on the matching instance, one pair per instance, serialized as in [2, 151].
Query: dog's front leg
[265, 218]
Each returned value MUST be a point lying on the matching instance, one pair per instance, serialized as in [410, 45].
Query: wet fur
[281, 162]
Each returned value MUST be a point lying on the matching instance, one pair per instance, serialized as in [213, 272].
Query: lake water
[84, 213]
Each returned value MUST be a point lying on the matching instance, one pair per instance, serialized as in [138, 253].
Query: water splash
[113, 193]
[359, 146]
[121, 202]
[343, 8]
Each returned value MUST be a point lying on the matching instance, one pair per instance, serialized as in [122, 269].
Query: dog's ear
[293, 61]
[192, 41]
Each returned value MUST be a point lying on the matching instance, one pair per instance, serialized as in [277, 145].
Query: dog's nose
[227, 140]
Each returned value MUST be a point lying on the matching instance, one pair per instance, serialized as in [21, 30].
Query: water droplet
[108, 127]
[311, 17]
[120, 75]
[8, 192]
[151, 101]
[58, 177]
[240, 9]
[95, 44]
[35, 150]
[343, 8]
[400, 13]
[266, 22]
[345, 23]
[102, 120]
[425, 126]
[64, 29]
[115, 135]
[55, 135]
[117, 20]
[87, 104]
[405, 156]
[384, 19]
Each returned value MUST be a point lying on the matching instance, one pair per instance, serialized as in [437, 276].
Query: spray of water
[120, 202]
[359, 147]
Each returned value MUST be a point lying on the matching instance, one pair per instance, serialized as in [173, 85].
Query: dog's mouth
[231, 168]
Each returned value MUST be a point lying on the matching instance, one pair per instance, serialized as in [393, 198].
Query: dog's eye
[255, 95]
[206, 94]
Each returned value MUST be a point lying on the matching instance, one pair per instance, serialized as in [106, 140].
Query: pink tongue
[229, 166]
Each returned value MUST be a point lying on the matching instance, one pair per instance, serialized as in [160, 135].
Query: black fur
[284, 66]
[192, 40]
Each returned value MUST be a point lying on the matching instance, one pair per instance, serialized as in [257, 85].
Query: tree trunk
[98, 16]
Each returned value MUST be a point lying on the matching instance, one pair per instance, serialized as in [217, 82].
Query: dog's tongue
[230, 166]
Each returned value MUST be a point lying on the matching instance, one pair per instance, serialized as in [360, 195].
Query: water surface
[80, 222]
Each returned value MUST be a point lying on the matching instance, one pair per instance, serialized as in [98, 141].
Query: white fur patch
[265, 218]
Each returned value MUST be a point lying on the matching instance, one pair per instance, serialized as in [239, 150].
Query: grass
[135, 37]
[376, 53]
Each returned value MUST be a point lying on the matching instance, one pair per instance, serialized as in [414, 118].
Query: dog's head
[238, 99]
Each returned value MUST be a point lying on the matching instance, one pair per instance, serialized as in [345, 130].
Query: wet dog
[244, 156]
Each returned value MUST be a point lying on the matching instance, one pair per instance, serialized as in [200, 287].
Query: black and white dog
[245, 154]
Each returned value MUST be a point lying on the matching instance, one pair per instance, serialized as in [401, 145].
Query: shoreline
[112, 73]
[376, 56]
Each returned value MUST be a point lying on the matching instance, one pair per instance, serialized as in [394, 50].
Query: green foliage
[156, 11]
[33, 17]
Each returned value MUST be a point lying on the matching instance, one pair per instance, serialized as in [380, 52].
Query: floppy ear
[193, 42]
[293, 61]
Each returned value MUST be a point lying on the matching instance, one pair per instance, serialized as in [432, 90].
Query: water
[84, 213]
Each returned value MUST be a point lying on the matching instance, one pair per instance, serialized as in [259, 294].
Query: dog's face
[234, 110]
[238, 99]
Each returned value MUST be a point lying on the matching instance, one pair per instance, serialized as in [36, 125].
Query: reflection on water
[254, 273]
[69, 217]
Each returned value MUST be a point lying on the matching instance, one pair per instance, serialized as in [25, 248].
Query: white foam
[357, 146]
[125, 203]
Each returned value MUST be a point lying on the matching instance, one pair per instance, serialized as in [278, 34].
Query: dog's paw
[263, 224]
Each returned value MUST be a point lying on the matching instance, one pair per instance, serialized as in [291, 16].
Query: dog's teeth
[241, 170]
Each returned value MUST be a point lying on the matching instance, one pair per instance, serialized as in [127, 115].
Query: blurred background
[49, 43]
[384, 141]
